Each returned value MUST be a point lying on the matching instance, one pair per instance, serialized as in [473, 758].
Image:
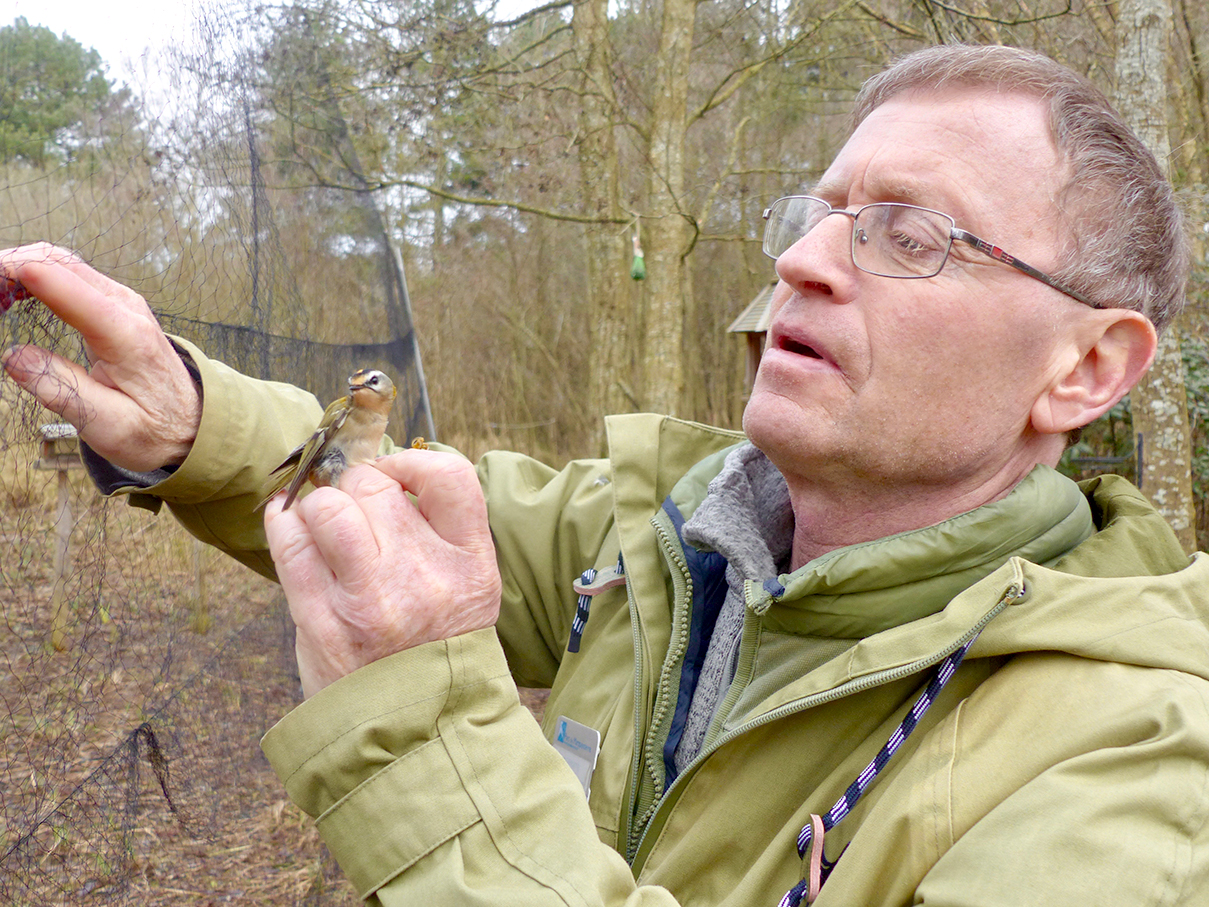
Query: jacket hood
[1086, 604]
[1128, 594]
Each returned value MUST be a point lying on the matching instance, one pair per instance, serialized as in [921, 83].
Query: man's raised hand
[136, 405]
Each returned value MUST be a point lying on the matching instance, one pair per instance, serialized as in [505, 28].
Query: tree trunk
[1159, 403]
[668, 231]
[606, 247]
[1197, 153]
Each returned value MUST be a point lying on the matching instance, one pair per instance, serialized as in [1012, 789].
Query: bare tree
[613, 329]
[1159, 404]
[669, 231]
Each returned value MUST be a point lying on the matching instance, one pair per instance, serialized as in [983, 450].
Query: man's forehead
[959, 151]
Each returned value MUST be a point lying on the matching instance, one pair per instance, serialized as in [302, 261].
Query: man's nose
[822, 257]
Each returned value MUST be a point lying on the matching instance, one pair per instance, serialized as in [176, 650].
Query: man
[741, 670]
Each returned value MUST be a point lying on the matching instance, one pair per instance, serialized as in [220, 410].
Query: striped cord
[584, 604]
[944, 673]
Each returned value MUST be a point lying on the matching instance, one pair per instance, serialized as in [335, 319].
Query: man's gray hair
[1126, 246]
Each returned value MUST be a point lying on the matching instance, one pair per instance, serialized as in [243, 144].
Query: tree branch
[533, 13]
[732, 156]
[995, 20]
[725, 89]
[477, 201]
[906, 30]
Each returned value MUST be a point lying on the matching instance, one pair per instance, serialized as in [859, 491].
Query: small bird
[349, 433]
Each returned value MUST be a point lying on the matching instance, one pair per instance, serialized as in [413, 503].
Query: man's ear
[1107, 356]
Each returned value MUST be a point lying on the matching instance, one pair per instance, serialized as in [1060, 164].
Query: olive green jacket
[1067, 762]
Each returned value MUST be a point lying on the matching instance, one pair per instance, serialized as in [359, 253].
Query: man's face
[923, 382]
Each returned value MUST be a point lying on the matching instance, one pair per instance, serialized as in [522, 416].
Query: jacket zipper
[636, 762]
[1013, 593]
[681, 590]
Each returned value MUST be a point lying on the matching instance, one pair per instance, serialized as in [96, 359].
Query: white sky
[126, 32]
[121, 31]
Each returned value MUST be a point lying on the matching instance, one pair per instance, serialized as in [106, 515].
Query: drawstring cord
[810, 839]
[584, 602]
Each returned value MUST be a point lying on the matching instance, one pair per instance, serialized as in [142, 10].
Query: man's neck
[828, 517]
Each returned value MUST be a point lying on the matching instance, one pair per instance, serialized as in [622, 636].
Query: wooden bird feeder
[753, 324]
[60, 448]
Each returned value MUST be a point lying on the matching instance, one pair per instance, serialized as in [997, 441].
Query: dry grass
[84, 817]
[83, 813]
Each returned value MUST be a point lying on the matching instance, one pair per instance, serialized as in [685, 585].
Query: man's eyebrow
[908, 191]
[828, 190]
[912, 192]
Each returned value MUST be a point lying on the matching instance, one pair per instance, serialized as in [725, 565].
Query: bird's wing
[333, 418]
[296, 467]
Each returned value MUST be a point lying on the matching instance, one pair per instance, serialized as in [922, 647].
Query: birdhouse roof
[754, 318]
[56, 431]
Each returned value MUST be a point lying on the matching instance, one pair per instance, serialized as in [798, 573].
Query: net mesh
[137, 669]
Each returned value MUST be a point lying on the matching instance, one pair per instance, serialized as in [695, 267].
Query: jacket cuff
[367, 758]
[241, 419]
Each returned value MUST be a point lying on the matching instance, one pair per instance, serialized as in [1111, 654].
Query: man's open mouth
[800, 349]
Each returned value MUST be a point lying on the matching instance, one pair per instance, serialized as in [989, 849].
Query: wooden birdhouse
[60, 447]
[753, 325]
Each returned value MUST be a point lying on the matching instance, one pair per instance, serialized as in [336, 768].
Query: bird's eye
[373, 380]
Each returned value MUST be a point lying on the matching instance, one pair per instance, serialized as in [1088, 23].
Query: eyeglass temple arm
[998, 254]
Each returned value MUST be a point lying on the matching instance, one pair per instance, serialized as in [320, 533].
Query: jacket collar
[859, 590]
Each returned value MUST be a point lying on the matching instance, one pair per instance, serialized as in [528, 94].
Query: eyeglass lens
[899, 240]
[789, 219]
[889, 239]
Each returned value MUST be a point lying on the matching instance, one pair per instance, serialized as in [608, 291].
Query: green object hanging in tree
[638, 266]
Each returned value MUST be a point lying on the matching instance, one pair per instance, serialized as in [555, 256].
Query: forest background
[517, 163]
[261, 186]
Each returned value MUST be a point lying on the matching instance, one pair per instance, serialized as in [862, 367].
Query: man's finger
[108, 316]
[388, 511]
[57, 383]
[448, 493]
[341, 531]
[20, 257]
[300, 564]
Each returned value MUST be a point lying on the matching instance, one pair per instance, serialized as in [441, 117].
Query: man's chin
[776, 426]
[802, 441]
[772, 420]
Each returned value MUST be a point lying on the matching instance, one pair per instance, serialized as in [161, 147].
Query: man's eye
[907, 243]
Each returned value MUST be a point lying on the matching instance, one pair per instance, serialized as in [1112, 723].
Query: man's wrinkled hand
[369, 572]
[136, 405]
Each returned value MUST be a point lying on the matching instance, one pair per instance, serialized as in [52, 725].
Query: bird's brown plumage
[349, 433]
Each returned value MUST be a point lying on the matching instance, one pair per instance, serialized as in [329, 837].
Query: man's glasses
[889, 239]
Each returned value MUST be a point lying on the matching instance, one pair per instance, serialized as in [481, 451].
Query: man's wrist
[189, 420]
